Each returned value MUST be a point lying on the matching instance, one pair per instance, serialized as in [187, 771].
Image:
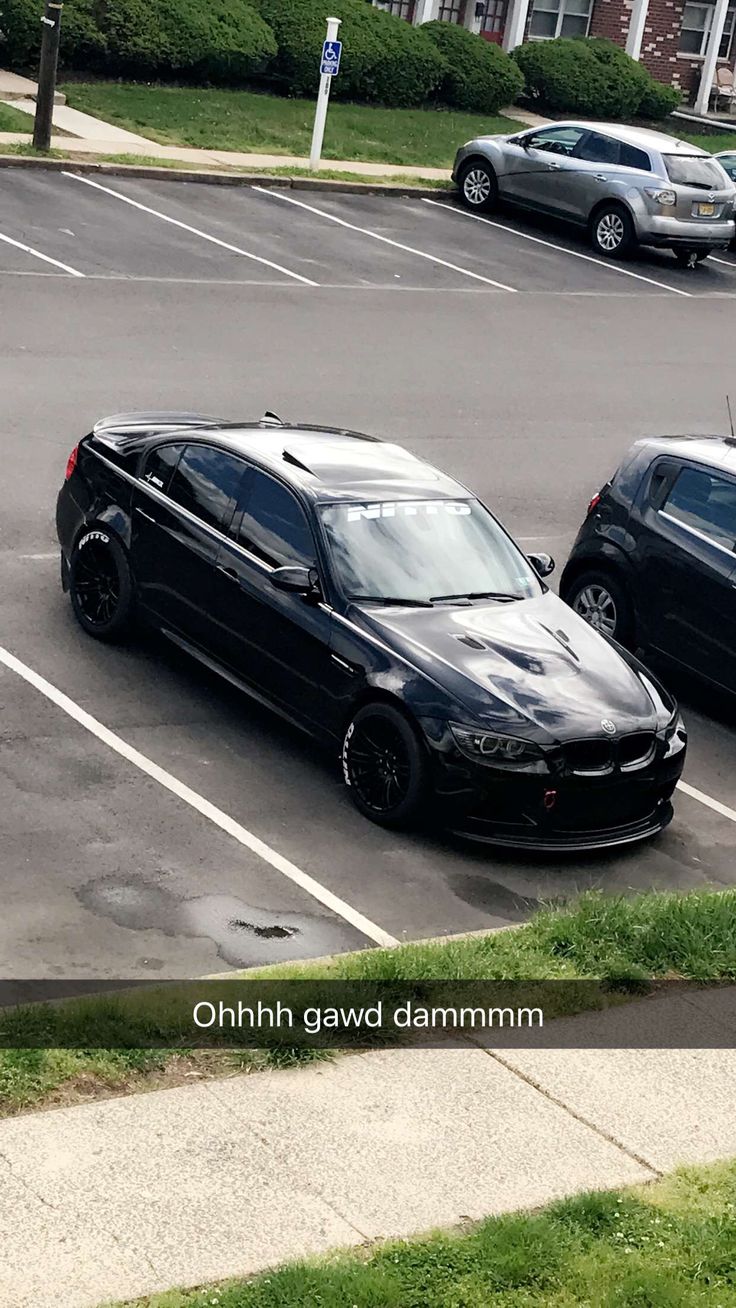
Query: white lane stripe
[28, 249]
[195, 231]
[551, 245]
[366, 231]
[715, 804]
[726, 263]
[201, 805]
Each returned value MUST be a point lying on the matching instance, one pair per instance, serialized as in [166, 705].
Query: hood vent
[472, 642]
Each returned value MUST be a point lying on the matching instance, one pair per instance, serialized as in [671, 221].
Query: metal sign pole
[329, 67]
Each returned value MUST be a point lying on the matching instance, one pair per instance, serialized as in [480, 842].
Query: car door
[688, 568]
[276, 640]
[537, 165]
[185, 499]
[605, 168]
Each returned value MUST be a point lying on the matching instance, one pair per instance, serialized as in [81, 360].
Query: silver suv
[626, 185]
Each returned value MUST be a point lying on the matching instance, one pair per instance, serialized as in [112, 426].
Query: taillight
[594, 502]
[71, 463]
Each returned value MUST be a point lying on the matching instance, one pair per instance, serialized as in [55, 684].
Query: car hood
[530, 667]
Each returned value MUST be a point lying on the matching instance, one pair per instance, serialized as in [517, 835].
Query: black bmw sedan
[377, 604]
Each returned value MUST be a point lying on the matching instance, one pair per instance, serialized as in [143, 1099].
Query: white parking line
[551, 245]
[201, 805]
[28, 249]
[376, 236]
[195, 231]
[725, 263]
[715, 804]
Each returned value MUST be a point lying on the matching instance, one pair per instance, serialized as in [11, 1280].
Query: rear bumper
[669, 232]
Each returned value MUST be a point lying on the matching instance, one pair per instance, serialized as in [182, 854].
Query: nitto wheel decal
[96, 580]
[376, 764]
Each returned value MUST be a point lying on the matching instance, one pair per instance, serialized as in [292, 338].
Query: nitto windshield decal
[406, 509]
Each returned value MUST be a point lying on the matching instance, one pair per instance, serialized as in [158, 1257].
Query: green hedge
[385, 60]
[593, 77]
[215, 40]
[479, 76]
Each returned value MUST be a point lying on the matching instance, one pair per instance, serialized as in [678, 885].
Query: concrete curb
[212, 178]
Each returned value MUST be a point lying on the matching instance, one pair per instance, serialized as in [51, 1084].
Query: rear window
[729, 163]
[694, 170]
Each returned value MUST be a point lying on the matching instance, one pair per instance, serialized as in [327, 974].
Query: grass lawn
[712, 141]
[12, 120]
[243, 120]
[603, 938]
[671, 1244]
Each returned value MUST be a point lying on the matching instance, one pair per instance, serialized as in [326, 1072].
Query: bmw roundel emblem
[608, 726]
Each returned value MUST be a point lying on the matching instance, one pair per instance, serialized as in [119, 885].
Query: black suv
[654, 565]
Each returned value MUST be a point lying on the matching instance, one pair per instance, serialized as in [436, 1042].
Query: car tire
[478, 186]
[611, 231]
[682, 257]
[385, 766]
[100, 586]
[602, 600]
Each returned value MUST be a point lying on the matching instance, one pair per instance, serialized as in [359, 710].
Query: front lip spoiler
[576, 842]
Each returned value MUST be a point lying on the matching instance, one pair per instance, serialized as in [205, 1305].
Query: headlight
[485, 747]
[675, 735]
[662, 197]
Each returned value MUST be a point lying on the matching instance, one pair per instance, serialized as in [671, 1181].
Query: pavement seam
[212, 1087]
[110, 1232]
[578, 1117]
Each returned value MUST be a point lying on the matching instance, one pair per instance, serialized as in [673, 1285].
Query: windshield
[424, 550]
[694, 170]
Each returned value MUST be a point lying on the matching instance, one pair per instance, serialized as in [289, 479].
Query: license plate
[705, 210]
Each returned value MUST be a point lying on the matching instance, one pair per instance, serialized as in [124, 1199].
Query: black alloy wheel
[385, 766]
[100, 586]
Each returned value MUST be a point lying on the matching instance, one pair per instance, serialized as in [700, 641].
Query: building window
[399, 8]
[697, 21]
[552, 18]
[449, 11]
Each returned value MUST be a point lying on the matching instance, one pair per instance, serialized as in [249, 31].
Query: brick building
[680, 41]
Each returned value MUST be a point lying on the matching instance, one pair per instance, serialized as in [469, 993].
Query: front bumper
[558, 810]
[658, 230]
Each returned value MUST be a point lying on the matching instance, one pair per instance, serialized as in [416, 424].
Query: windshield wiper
[393, 599]
[503, 596]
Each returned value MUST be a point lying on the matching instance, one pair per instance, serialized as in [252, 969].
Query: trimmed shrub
[658, 100]
[384, 61]
[590, 76]
[218, 40]
[479, 77]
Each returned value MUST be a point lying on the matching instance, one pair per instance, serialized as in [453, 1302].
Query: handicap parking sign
[331, 52]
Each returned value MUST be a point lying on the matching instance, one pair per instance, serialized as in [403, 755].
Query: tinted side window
[207, 482]
[273, 525]
[706, 502]
[599, 149]
[160, 464]
[633, 158]
[558, 140]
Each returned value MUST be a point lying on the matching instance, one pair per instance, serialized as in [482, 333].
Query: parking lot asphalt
[379, 313]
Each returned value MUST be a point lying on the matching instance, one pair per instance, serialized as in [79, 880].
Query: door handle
[553, 168]
[600, 177]
[230, 573]
[142, 513]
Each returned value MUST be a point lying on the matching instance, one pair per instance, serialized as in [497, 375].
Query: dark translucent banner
[616, 1013]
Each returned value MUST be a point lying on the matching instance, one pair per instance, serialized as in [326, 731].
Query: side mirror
[543, 564]
[297, 580]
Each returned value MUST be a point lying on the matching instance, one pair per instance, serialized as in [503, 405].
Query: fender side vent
[472, 642]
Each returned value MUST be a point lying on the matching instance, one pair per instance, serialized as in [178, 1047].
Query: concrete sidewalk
[179, 1187]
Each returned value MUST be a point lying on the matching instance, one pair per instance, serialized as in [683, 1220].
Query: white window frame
[560, 8]
[728, 29]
